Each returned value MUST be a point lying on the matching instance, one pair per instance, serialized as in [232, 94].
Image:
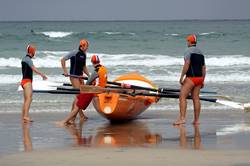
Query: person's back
[197, 61]
[191, 80]
[100, 73]
[27, 65]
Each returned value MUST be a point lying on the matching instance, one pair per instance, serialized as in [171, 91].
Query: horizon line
[134, 20]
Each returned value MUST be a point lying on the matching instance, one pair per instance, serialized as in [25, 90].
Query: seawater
[152, 48]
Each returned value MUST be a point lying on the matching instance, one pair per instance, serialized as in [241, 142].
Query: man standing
[194, 70]
[77, 68]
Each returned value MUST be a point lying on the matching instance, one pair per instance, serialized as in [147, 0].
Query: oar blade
[97, 89]
[231, 104]
[91, 89]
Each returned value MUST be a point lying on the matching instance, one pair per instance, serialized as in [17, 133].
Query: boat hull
[117, 107]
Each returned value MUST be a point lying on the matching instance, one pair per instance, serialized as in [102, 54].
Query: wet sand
[221, 139]
[134, 156]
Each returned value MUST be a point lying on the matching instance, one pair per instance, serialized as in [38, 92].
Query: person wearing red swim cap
[26, 83]
[191, 79]
[98, 78]
[77, 68]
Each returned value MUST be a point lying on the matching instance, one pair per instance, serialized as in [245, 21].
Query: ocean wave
[207, 33]
[119, 33]
[228, 60]
[202, 34]
[173, 34]
[113, 33]
[51, 59]
[55, 34]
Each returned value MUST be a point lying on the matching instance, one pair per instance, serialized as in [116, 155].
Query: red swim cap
[95, 59]
[192, 39]
[31, 50]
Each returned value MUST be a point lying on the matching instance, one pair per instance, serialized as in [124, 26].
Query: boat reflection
[133, 134]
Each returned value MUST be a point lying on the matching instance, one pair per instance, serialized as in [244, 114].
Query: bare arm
[204, 71]
[184, 71]
[86, 71]
[63, 63]
[39, 73]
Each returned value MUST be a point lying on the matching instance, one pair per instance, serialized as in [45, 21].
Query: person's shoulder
[187, 51]
[70, 54]
[73, 52]
[197, 50]
[26, 58]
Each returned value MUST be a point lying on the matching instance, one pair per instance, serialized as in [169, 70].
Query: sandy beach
[221, 139]
[124, 156]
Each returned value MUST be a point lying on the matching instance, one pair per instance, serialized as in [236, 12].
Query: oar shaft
[166, 90]
[56, 91]
[175, 96]
[128, 86]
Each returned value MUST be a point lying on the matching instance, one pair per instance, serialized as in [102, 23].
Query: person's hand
[66, 74]
[123, 85]
[181, 81]
[44, 77]
[202, 85]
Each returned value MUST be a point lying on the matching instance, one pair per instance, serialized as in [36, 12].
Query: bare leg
[68, 119]
[197, 104]
[26, 138]
[185, 90]
[183, 138]
[76, 83]
[27, 94]
[197, 137]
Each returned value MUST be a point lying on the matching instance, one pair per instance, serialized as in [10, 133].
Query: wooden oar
[97, 89]
[50, 87]
[128, 86]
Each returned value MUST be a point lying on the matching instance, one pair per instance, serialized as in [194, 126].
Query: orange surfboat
[117, 107]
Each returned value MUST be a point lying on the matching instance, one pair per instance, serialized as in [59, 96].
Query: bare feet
[83, 118]
[60, 123]
[27, 120]
[71, 121]
[179, 122]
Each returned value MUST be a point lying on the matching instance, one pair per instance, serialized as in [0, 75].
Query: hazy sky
[123, 9]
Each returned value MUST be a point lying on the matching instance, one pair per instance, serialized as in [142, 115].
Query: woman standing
[26, 83]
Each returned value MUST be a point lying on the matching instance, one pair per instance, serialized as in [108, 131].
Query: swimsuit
[27, 72]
